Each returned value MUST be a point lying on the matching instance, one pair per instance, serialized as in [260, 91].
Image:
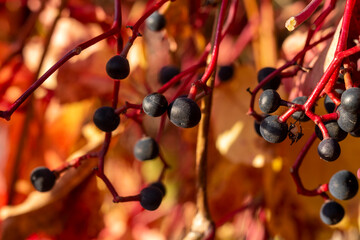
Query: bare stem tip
[291, 24]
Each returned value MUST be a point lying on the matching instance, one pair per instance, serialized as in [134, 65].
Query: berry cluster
[340, 89]
[183, 111]
[331, 129]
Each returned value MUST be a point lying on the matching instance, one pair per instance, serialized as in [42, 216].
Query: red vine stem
[215, 52]
[293, 22]
[317, 24]
[324, 79]
[76, 51]
[75, 162]
[319, 88]
[295, 172]
[342, 42]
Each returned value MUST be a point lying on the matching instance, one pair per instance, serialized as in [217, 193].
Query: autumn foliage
[250, 192]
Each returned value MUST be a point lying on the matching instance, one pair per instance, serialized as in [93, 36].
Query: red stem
[215, 52]
[342, 42]
[324, 79]
[76, 51]
[135, 27]
[317, 24]
[293, 22]
[178, 77]
[127, 106]
[295, 171]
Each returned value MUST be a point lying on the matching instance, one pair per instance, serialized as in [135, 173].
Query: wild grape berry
[106, 119]
[300, 115]
[329, 104]
[257, 127]
[146, 149]
[42, 179]
[160, 186]
[225, 72]
[155, 22]
[343, 185]
[331, 212]
[355, 133]
[334, 131]
[167, 73]
[350, 100]
[269, 101]
[272, 130]
[347, 121]
[329, 149]
[118, 67]
[150, 198]
[184, 112]
[155, 104]
[274, 83]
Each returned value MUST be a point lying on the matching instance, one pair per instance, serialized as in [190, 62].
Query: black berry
[269, 101]
[272, 130]
[257, 127]
[343, 185]
[355, 133]
[184, 112]
[226, 72]
[350, 100]
[331, 212]
[167, 73]
[274, 83]
[329, 149]
[106, 119]
[118, 67]
[155, 21]
[146, 149]
[334, 131]
[349, 122]
[160, 186]
[154, 104]
[42, 179]
[150, 198]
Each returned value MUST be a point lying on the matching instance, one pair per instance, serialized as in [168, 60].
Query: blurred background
[250, 190]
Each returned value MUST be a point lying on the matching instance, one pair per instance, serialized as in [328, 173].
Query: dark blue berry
[272, 130]
[269, 101]
[331, 212]
[146, 149]
[184, 112]
[329, 149]
[155, 21]
[150, 198]
[154, 104]
[274, 83]
[42, 179]
[226, 72]
[118, 67]
[343, 185]
[334, 131]
[106, 119]
[167, 73]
